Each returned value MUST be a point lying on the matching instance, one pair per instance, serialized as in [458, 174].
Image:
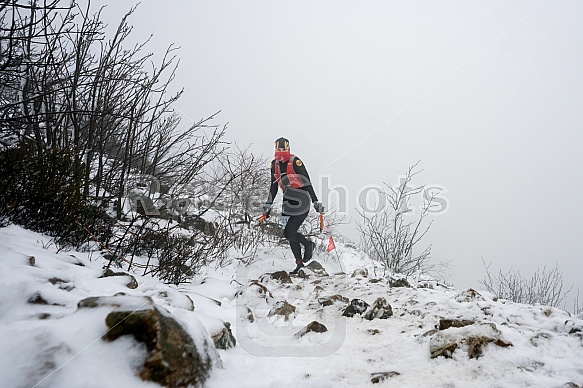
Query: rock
[401, 282]
[313, 327]
[261, 290]
[571, 384]
[21, 259]
[302, 274]
[282, 308]
[373, 331]
[469, 295]
[117, 301]
[357, 306]
[281, 276]
[429, 333]
[61, 283]
[56, 280]
[224, 339]
[132, 284]
[447, 323]
[174, 359]
[250, 316]
[317, 290]
[37, 298]
[329, 301]
[471, 339]
[175, 299]
[380, 309]
[382, 376]
[360, 272]
[317, 268]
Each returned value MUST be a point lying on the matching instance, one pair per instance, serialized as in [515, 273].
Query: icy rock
[249, 315]
[472, 339]
[317, 291]
[360, 272]
[282, 308]
[469, 295]
[174, 299]
[281, 276]
[400, 282]
[317, 268]
[174, 359]
[255, 290]
[132, 283]
[37, 298]
[329, 301]
[57, 281]
[302, 274]
[118, 301]
[19, 258]
[357, 306]
[224, 339]
[447, 323]
[313, 327]
[571, 384]
[380, 309]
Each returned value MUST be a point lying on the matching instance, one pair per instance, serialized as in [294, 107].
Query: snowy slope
[57, 345]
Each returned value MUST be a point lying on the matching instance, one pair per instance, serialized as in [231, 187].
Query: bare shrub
[545, 286]
[391, 236]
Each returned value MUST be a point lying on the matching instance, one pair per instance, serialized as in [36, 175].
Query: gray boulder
[224, 339]
[313, 327]
[317, 268]
[284, 309]
[132, 282]
[380, 309]
[356, 306]
[174, 359]
[281, 276]
[471, 339]
[329, 301]
[360, 272]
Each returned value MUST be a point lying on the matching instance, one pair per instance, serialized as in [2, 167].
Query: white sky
[486, 94]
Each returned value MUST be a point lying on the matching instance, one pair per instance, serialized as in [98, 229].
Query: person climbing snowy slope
[289, 173]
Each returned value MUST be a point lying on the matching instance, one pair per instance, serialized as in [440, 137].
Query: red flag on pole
[331, 245]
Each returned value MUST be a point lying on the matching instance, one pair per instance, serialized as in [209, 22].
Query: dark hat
[282, 144]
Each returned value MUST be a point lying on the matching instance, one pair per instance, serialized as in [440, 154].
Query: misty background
[487, 95]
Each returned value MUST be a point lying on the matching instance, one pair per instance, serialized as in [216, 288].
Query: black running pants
[295, 239]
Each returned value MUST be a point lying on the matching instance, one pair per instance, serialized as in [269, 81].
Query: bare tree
[545, 286]
[391, 236]
[65, 87]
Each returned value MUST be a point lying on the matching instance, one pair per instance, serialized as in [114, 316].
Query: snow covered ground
[52, 343]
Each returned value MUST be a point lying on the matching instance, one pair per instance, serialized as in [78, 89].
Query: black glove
[319, 207]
